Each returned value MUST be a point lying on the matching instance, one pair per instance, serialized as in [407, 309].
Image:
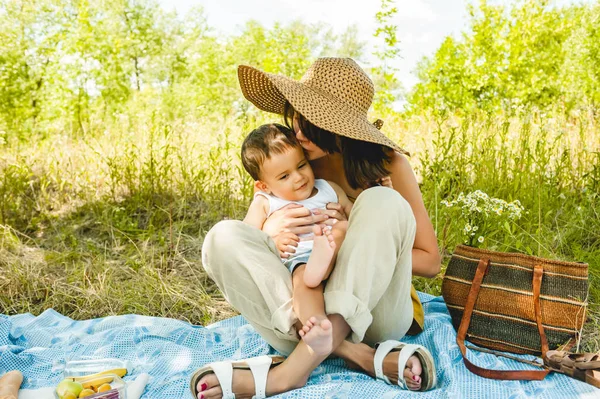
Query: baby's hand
[386, 181]
[286, 244]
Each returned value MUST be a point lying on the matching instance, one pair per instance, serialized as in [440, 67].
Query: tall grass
[113, 222]
[550, 164]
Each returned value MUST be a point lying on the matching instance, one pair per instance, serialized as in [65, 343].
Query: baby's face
[288, 176]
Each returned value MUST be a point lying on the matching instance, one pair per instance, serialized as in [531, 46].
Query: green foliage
[386, 30]
[547, 163]
[15, 205]
[120, 128]
[72, 66]
[512, 58]
[483, 216]
[387, 87]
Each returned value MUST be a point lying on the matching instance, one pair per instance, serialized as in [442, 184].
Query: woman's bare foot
[318, 335]
[412, 371]
[209, 386]
[320, 257]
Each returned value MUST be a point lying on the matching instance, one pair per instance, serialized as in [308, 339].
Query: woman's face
[311, 150]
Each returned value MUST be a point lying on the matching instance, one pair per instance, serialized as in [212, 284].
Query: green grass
[113, 222]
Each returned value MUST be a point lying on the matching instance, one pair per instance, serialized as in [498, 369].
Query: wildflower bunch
[482, 215]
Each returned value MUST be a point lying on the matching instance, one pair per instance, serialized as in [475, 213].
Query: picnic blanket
[170, 350]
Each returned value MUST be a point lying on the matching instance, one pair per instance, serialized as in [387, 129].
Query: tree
[514, 58]
[30, 40]
[387, 87]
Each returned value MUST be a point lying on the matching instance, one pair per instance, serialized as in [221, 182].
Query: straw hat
[334, 94]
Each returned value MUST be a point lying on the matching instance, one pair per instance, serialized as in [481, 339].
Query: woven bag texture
[503, 316]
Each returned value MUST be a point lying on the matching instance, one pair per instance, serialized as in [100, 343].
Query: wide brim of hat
[269, 92]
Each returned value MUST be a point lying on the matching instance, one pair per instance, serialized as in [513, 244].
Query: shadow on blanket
[169, 350]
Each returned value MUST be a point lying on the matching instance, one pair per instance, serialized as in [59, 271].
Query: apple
[68, 386]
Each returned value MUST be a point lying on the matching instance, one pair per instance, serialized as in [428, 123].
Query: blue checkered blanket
[170, 350]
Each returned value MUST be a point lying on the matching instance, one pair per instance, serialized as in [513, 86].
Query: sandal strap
[224, 372]
[260, 366]
[589, 366]
[405, 353]
[587, 361]
[382, 350]
[582, 361]
[554, 359]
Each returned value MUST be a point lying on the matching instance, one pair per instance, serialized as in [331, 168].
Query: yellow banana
[86, 392]
[120, 372]
[97, 381]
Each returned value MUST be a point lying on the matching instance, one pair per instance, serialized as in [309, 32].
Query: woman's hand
[292, 218]
[334, 212]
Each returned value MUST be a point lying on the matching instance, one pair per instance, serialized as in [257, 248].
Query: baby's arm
[257, 213]
[386, 182]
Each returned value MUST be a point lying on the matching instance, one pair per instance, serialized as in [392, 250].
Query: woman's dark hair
[364, 162]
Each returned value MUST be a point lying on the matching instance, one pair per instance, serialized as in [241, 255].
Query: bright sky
[422, 24]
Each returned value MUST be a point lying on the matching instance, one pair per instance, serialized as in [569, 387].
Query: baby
[282, 175]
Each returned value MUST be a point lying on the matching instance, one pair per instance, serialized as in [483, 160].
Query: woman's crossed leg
[262, 291]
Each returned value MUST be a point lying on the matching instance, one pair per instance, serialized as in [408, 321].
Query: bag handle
[538, 272]
[482, 268]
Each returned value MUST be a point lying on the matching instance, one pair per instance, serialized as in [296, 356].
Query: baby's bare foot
[318, 335]
[320, 257]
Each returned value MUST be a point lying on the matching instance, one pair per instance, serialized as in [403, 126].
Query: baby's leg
[307, 301]
[339, 233]
[325, 248]
[309, 306]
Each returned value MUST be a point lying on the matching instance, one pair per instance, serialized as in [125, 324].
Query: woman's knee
[383, 203]
[381, 197]
[222, 235]
[220, 240]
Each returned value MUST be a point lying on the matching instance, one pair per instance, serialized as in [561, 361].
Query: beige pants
[369, 286]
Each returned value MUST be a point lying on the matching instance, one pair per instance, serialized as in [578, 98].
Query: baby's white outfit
[325, 194]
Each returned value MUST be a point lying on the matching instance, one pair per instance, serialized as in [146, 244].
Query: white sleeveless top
[325, 194]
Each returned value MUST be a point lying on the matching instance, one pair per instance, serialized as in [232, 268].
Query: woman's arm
[426, 257]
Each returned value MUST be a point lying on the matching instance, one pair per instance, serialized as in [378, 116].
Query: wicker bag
[514, 303]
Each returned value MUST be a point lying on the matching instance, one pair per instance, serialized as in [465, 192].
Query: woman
[368, 297]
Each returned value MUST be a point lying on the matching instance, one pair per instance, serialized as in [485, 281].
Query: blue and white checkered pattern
[170, 350]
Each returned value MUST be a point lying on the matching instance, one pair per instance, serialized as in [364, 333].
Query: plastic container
[117, 391]
[76, 368]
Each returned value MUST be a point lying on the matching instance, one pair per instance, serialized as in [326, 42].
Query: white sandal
[259, 366]
[428, 377]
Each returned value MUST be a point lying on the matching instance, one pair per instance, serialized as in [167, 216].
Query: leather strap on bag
[466, 320]
[538, 272]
